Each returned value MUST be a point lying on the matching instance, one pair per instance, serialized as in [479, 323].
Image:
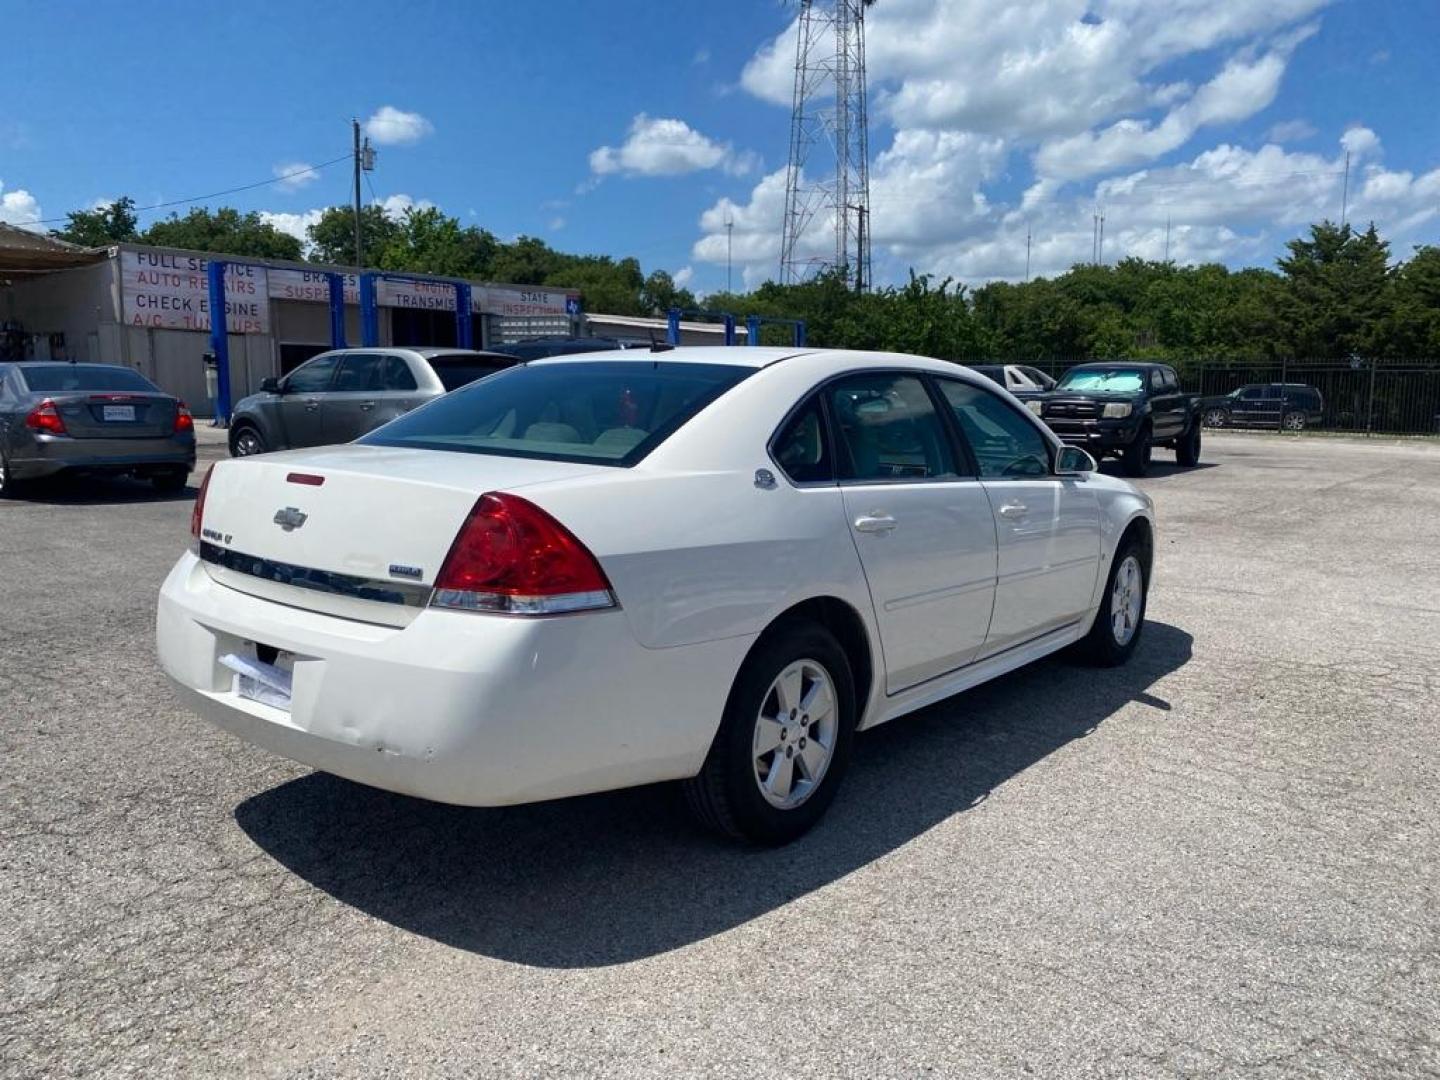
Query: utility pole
[359, 253]
[1027, 253]
[1345, 198]
[729, 250]
[1095, 238]
[1102, 237]
[1167, 239]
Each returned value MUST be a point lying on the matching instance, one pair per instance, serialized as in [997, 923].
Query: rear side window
[802, 447]
[397, 375]
[57, 378]
[312, 377]
[461, 370]
[890, 429]
[358, 372]
[1172, 382]
[596, 412]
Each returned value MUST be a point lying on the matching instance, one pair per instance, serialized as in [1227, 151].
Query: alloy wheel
[795, 734]
[1126, 596]
[247, 443]
[1215, 418]
[1295, 422]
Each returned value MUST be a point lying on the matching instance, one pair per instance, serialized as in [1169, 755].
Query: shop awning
[25, 254]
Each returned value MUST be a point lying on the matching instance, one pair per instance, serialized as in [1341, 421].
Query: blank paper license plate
[119, 412]
[269, 684]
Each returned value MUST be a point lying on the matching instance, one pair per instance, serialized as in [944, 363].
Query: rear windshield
[55, 378]
[461, 370]
[600, 412]
[1121, 379]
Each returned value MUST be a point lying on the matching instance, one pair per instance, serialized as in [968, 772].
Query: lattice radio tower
[828, 115]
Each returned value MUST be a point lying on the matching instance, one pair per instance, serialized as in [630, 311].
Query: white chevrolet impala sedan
[707, 565]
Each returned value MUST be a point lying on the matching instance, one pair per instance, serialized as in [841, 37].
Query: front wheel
[9, 486]
[1135, 459]
[1293, 421]
[784, 740]
[1122, 609]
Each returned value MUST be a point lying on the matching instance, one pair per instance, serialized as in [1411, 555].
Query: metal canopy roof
[25, 254]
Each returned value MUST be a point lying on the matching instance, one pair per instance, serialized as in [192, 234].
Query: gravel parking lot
[1221, 859]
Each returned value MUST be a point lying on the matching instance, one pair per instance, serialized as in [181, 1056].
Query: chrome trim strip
[322, 581]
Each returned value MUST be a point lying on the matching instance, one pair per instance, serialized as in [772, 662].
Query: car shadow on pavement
[611, 878]
[1111, 467]
[99, 491]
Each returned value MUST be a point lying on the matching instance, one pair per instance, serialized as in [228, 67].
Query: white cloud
[293, 224]
[390, 126]
[556, 223]
[1360, 141]
[683, 276]
[18, 207]
[659, 146]
[396, 205]
[294, 175]
[1288, 131]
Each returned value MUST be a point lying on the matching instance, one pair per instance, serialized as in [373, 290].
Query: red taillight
[46, 417]
[198, 514]
[184, 421]
[512, 557]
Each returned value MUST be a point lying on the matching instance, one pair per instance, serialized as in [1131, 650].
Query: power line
[213, 194]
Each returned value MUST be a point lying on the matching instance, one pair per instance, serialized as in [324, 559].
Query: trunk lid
[364, 543]
[114, 414]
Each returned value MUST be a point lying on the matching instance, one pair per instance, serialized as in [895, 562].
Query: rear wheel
[1122, 608]
[1293, 421]
[1187, 447]
[9, 486]
[245, 441]
[172, 481]
[784, 740]
[1135, 459]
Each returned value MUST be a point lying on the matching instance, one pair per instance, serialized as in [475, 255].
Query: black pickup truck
[1124, 410]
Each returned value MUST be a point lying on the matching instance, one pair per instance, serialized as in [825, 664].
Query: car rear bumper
[50, 454]
[480, 710]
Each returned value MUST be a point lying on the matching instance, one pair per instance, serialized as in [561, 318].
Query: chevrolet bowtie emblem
[290, 519]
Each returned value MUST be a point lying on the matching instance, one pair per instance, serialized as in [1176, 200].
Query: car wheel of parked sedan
[172, 481]
[1216, 418]
[1122, 609]
[245, 441]
[1293, 421]
[1187, 448]
[1135, 459]
[9, 486]
[784, 740]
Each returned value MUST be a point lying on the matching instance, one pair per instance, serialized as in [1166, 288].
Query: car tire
[1293, 421]
[1187, 447]
[172, 481]
[1135, 459]
[246, 441]
[795, 666]
[1110, 641]
[9, 486]
[1216, 418]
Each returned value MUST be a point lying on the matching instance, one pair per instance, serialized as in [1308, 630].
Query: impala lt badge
[290, 518]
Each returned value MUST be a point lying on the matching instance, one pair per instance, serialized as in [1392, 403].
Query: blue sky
[1224, 117]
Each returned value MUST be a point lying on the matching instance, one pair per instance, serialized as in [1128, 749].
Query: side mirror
[1072, 461]
[271, 385]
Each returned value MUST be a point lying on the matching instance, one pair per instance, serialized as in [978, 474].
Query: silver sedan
[58, 417]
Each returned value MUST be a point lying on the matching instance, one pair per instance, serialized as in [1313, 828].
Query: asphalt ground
[1220, 860]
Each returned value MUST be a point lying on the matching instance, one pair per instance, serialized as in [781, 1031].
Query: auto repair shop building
[148, 308]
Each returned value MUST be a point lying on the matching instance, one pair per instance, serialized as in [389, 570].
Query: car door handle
[1014, 510]
[367, 405]
[311, 406]
[875, 523]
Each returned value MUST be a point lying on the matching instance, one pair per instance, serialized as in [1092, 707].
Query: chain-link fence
[1380, 397]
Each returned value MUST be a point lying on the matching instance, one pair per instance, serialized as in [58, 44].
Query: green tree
[1336, 291]
[1413, 325]
[427, 241]
[114, 223]
[332, 237]
[225, 232]
[660, 293]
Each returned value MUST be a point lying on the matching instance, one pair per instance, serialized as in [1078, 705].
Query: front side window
[802, 449]
[1248, 393]
[461, 369]
[312, 377]
[596, 412]
[1005, 444]
[889, 428]
[58, 378]
[1171, 380]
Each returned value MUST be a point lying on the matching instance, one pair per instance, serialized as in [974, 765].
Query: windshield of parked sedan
[1123, 380]
[57, 378]
[597, 412]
